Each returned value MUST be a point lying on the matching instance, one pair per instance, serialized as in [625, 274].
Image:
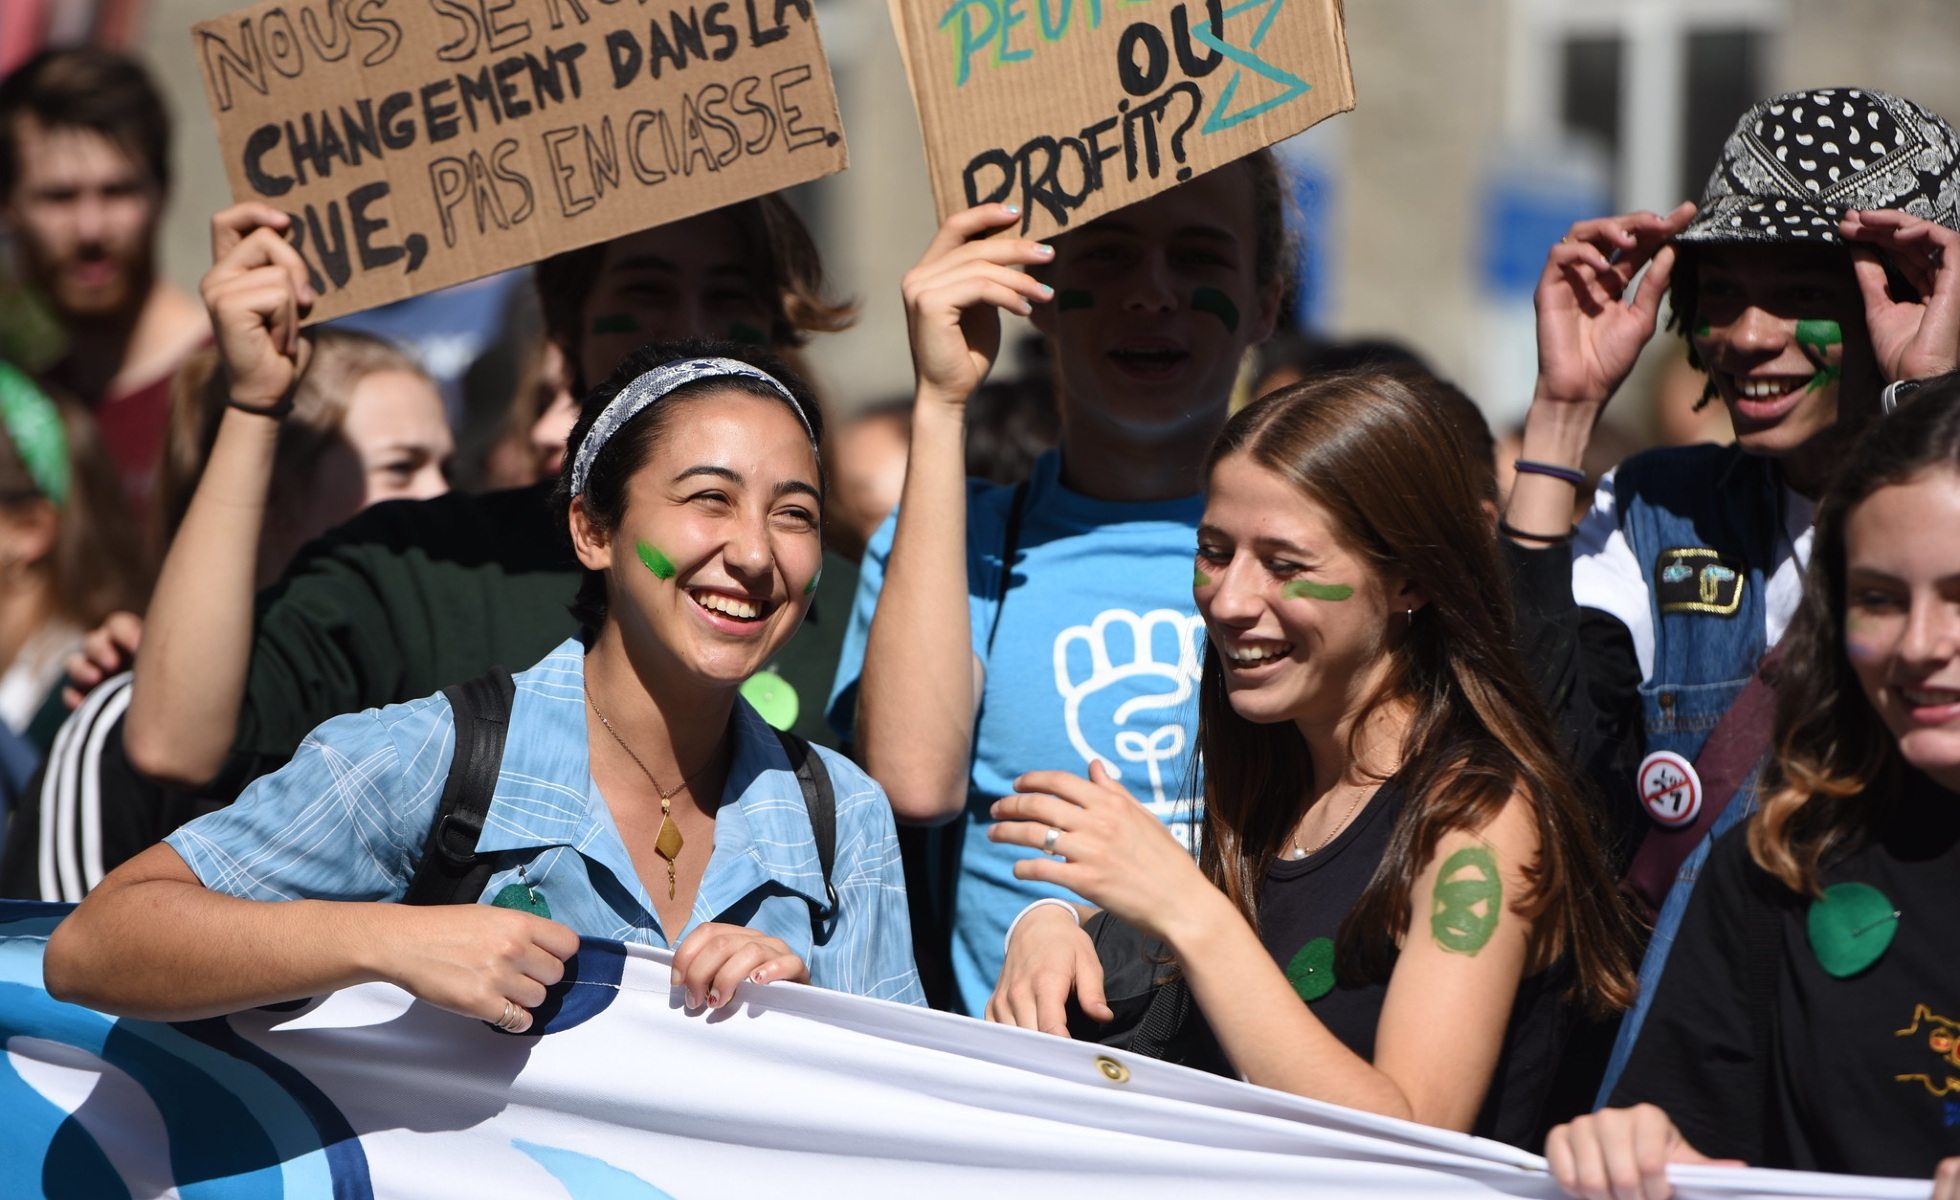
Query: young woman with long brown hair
[1808, 1016]
[1389, 834]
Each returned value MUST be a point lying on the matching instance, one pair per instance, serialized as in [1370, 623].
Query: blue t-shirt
[1097, 656]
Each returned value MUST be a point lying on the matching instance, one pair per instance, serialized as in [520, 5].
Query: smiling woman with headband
[640, 797]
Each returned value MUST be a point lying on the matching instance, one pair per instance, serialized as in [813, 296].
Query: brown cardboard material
[1073, 108]
[422, 143]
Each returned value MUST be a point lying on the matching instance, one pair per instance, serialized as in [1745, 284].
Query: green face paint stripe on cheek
[661, 566]
[1070, 299]
[1819, 333]
[615, 323]
[1199, 578]
[1469, 897]
[1703, 329]
[811, 586]
[1218, 304]
[1307, 589]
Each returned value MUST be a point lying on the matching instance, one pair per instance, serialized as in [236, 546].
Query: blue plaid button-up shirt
[348, 817]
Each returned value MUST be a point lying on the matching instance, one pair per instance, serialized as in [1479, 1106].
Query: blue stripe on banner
[587, 1177]
[590, 985]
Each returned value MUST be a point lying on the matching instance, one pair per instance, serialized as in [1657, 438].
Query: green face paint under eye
[661, 566]
[1218, 304]
[1070, 299]
[615, 323]
[1307, 589]
[1199, 578]
[1814, 336]
[1703, 329]
[811, 586]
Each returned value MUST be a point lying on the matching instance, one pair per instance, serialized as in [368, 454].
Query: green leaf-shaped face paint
[1199, 578]
[1849, 927]
[661, 566]
[1469, 896]
[1307, 589]
[772, 697]
[1312, 970]
[523, 899]
[1814, 336]
[1218, 304]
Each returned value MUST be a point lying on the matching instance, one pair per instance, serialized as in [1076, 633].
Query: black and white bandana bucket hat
[1796, 163]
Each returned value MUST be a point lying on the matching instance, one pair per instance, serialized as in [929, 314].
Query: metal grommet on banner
[1112, 1070]
[1670, 790]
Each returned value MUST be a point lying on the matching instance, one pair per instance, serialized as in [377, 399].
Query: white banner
[792, 1091]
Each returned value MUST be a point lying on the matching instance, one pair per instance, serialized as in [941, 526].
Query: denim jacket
[1703, 522]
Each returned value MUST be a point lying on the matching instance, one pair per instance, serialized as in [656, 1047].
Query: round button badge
[1669, 789]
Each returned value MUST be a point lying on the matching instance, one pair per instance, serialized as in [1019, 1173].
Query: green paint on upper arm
[1218, 304]
[1070, 299]
[615, 323]
[661, 566]
[1468, 898]
[1307, 589]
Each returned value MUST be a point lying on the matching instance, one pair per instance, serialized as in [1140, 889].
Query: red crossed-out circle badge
[1669, 789]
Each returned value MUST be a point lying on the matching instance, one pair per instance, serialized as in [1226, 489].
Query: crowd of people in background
[1189, 683]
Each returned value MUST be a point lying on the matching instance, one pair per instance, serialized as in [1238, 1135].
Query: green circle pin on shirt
[1850, 926]
[772, 697]
[523, 899]
[1312, 970]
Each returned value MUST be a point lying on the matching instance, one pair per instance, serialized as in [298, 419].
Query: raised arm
[921, 680]
[197, 647]
[1590, 333]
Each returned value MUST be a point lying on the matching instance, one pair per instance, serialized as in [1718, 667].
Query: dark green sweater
[411, 596]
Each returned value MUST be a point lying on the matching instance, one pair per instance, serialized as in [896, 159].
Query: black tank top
[1300, 912]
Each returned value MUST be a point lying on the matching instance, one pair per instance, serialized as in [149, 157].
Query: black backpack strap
[821, 802]
[451, 871]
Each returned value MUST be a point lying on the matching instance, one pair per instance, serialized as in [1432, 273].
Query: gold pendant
[668, 846]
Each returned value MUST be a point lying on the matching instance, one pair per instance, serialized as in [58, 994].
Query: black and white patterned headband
[634, 398]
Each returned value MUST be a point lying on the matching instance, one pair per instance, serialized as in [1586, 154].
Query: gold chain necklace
[1294, 844]
[667, 844]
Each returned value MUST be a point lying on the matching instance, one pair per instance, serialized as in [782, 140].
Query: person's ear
[1271, 294]
[1411, 597]
[592, 544]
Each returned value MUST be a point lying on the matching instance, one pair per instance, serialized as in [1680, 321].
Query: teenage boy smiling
[1822, 265]
[960, 671]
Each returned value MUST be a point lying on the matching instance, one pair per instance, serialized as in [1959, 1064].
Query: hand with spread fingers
[1913, 336]
[954, 297]
[1048, 957]
[257, 291]
[1103, 846]
[1590, 332]
[476, 959]
[1620, 1154]
[716, 958]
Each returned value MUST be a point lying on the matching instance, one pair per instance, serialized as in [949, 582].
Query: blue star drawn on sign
[1221, 115]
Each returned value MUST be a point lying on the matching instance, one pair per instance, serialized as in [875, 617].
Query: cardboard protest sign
[421, 143]
[1072, 108]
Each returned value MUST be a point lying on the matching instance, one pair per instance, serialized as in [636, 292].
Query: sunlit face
[711, 568]
[1156, 303]
[1302, 625]
[1781, 331]
[1902, 615]
[84, 214]
[394, 444]
[687, 279]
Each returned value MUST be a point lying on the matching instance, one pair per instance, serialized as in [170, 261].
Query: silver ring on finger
[1048, 843]
[508, 1022]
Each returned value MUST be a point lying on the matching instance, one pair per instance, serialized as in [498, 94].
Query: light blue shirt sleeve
[842, 712]
[870, 951]
[346, 819]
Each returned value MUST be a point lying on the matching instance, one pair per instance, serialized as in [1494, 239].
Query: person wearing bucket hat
[1820, 272]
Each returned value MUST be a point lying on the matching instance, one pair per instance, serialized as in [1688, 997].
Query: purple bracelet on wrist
[1526, 466]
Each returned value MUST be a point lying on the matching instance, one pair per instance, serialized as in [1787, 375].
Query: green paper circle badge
[1850, 926]
[523, 899]
[1312, 970]
[772, 697]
